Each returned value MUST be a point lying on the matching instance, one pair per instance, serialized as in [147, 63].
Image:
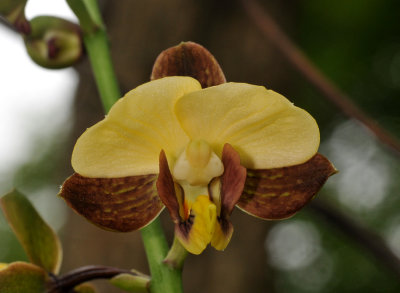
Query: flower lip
[210, 205]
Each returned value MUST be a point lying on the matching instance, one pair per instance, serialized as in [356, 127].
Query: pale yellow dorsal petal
[128, 141]
[265, 128]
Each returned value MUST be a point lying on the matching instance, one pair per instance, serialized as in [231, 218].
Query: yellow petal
[263, 126]
[196, 233]
[222, 234]
[127, 142]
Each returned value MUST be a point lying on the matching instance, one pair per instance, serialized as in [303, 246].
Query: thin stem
[299, 61]
[163, 278]
[359, 233]
[88, 14]
[96, 44]
[4, 22]
[99, 56]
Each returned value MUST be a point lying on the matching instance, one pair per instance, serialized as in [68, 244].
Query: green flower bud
[54, 42]
[14, 12]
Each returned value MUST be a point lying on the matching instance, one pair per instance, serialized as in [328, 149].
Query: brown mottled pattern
[189, 59]
[279, 193]
[119, 204]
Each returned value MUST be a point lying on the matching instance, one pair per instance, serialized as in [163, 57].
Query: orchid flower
[199, 152]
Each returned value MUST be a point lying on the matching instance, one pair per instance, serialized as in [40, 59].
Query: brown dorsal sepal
[189, 59]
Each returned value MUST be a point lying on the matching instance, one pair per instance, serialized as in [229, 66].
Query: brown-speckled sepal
[279, 193]
[189, 59]
[118, 204]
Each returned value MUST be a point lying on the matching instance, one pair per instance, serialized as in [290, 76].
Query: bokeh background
[355, 43]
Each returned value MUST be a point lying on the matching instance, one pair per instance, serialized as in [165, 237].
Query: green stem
[99, 55]
[96, 44]
[163, 279]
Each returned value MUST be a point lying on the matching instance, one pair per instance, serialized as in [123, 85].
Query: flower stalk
[13, 12]
[176, 255]
[96, 44]
[163, 278]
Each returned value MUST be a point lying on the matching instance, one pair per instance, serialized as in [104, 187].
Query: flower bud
[14, 12]
[54, 42]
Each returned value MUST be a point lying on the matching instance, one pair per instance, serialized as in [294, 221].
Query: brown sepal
[166, 188]
[279, 193]
[118, 204]
[232, 184]
[189, 59]
[232, 181]
[167, 192]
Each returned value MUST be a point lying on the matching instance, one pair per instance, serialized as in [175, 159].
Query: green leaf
[85, 288]
[131, 283]
[37, 238]
[21, 277]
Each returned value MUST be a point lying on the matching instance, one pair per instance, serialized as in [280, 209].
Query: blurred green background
[355, 43]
